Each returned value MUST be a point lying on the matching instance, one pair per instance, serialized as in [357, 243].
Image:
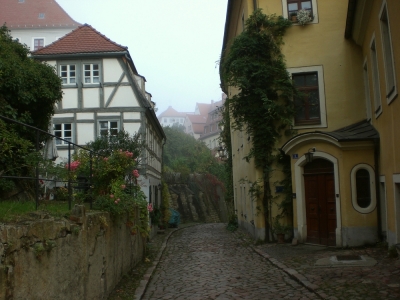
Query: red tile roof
[203, 108]
[171, 112]
[84, 39]
[26, 14]
[197, 119]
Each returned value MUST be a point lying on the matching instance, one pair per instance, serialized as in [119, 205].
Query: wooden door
[320, 203]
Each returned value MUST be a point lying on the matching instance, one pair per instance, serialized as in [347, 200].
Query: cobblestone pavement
[208, 262]
[381, 281]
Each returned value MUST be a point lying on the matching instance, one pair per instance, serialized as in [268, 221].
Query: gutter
[78, 55]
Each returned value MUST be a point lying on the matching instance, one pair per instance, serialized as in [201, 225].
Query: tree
[28, 92]
[263, 106]
[184, 154]
[28, 89]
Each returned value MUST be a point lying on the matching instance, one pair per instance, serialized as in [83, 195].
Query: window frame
[375, 78]
[372, 206]
[99, 130]
[388, 57]
[91, 64]
[63, 130]
[321, 92]
[314, 9]
[34, 39]
[68, 65]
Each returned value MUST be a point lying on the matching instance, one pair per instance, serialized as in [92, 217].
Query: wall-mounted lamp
[159, 186]
[309, 155]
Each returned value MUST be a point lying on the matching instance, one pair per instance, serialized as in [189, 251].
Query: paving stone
[208, 259]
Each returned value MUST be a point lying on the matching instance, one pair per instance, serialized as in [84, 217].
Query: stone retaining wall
[62, 259]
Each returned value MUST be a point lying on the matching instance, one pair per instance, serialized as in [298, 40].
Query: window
[292, 6]
[363, 188]
[391, 91]
[41, 15]
[68, 74]
[295, 5]
[307, 102]
[91, 73]
[375, 79]
[63, 131]
[38, 44]
[109, 127]
[366, 89]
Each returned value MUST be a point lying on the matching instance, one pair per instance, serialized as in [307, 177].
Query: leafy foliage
[186, 155]
[28, 89]
[262, 107]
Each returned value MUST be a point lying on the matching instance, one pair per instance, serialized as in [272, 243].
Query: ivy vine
[263, 106]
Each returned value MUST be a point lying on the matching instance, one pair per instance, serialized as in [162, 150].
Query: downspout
[377, 188]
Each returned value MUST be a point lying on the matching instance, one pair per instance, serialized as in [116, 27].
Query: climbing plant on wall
[255, 66]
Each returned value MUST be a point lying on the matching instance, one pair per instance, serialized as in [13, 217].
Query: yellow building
[346, 62]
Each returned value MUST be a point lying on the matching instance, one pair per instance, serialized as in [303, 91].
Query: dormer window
[41, 15]
[21, 1]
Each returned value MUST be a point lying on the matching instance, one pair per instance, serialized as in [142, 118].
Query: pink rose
[111, 196]
[123, 186]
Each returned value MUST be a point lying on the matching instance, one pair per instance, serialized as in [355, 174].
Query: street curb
[291, 272]
[139, 292]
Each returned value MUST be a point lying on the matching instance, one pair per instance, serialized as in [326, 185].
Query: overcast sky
[174, 44]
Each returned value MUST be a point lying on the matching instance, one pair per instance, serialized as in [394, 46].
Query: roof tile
[84, 39]
[26, 14]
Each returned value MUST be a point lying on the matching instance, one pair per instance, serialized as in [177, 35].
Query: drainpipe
[377, 188]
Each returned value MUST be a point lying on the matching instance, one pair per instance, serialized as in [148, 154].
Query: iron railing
[37, 178]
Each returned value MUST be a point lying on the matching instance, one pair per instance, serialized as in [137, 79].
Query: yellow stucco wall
[388, 122]
[323, 44]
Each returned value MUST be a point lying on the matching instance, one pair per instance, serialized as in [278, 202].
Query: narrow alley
[209, 262]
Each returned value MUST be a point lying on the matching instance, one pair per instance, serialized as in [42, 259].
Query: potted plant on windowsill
[280, 230]
[304, 17]
[293, 17]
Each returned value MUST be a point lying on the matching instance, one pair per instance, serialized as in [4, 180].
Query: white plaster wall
[132, 115]
[85, 133]
[91, 97]
[124, 97]
[125, 79]
[85, 116]
[112, 70]
[26, 36]
[69, 115]
[107, 92]
[70, 98]
[132, 127]
[52, 63]
[108, 114]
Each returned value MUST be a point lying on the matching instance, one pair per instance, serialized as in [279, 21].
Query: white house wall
[85, 133]
[131, 115]
[70, 98]
[132, 128]
[85, 116]
[91, 97]
[26, 36]
[124, 97]
[112, 70]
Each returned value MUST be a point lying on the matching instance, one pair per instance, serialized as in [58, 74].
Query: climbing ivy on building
[255, 66]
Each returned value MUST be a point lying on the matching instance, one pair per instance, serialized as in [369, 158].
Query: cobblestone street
[209, 262]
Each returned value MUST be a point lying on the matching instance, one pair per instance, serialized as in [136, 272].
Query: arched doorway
[319, 188]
